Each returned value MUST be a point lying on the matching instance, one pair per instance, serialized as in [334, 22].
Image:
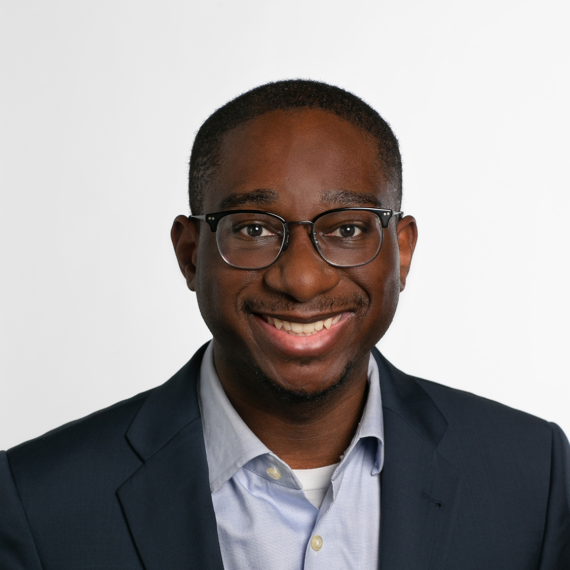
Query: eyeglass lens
[346, 238]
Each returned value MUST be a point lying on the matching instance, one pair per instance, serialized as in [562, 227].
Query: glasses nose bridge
[300, 223]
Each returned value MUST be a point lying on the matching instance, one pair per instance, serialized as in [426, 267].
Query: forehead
[302, 156]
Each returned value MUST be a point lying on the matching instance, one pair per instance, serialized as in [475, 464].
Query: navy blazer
[467, 484]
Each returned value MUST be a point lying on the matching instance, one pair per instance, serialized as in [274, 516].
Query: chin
[299, 396]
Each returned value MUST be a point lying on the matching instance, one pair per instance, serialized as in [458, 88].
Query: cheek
[390, 286]
[218, 288]
[209, 275]
[390, 298]
[382, 284]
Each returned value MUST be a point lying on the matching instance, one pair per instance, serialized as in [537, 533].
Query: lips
[323, 337]
[302, 329]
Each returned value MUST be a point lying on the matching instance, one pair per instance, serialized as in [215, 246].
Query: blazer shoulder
[482, 430]
[113, 415]
[115, 440]
[455, 411]
[79, 445]
[459, 406]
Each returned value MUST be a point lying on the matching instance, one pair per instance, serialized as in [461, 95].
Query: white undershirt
[315, 482]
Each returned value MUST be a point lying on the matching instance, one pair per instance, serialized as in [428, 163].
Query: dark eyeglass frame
[213, 219]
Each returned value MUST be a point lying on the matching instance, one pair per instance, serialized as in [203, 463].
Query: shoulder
[494, 433]
[479, 436]
[456, 409]
[514, 469]
[491, 429]
[82, 446]
[114, 440]
[489, 440]
[67, 478]
[467, 410]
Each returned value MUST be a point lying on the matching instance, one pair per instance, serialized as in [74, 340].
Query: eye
[346, 231]
[255, 230]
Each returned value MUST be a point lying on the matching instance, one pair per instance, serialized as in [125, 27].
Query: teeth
[309, 328]
[306, 329]
[297, 327]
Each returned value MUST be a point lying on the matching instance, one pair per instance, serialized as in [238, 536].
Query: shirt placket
[318, 551]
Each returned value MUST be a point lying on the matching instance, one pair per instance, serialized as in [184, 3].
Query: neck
[304, 434]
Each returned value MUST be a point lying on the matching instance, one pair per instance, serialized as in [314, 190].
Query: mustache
[324, 304]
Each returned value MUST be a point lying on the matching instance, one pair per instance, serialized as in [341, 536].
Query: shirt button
[316, 542]
[273, 473]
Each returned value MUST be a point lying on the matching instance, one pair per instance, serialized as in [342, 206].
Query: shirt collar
[230, 444]
[372, 421]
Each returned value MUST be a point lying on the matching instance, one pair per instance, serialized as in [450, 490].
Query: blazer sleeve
[556, 543]
[17, 548]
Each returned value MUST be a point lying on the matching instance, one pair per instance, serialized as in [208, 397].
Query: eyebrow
[258, 197]
[342, 198]
[331, 198]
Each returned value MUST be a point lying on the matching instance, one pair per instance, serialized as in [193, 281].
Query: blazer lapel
[420, 489]
[167, 501]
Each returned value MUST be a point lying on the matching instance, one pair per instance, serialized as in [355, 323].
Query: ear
[185, 234]
[407, 239]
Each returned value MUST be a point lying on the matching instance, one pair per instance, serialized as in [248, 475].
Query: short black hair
[287, 95]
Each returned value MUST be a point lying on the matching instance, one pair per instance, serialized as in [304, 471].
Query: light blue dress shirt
[264, 520]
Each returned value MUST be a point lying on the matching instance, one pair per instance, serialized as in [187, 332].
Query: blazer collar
[420, 489]
[167, 501]
[174, 405]
[167, 410]
[405, 397]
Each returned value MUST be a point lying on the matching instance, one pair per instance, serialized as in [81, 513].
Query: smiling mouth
[302, 329]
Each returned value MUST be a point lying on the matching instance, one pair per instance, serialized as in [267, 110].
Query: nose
[300, 272]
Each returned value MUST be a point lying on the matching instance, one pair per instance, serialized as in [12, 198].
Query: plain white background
[99, 105]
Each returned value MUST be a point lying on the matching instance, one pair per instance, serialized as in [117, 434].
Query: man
[289, 441]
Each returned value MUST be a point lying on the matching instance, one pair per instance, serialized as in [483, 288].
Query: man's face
[297, 165]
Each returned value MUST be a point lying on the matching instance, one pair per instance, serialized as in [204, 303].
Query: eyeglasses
[344, 237]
